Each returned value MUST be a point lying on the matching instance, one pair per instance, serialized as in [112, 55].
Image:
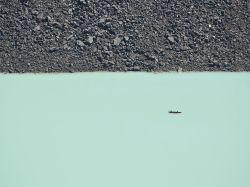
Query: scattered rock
[109, 53]
[102, 20]
[117, 41]
[57, 25]
[136, 68]
[37, 28]
[171, 39]
[40, 17]
[112, 62]
[179, 69]
[80, 43]
[69, 37]
[90, 40]
[110, 35]
[126, 38]
[53, 49]
[152, 57]
[66, 47]
[34, 12]
[84, 2]
[184, 48]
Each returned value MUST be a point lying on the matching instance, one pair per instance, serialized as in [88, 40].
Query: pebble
[90, 40]
[136, 68]
[83, 2]
[126, 38]
[171, 39]
[80, 43]
[102, 20]
[34, 12]
[69, 37]
[109, 53]
[66, 47]
[152, 57]
[184, 48]
[117, 41]
[179, 70]
[53, 49]
[111, 62]
[40, 16]
[37, 28]
[57, 24]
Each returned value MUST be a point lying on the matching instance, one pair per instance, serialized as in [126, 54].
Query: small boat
[174, 112]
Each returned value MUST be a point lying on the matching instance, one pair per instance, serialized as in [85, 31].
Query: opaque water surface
[114, 130]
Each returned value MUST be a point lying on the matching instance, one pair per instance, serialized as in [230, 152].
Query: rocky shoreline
[119, 35]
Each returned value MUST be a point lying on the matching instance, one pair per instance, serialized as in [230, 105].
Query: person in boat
[174, 112]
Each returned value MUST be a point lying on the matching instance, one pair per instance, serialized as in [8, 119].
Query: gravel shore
[124, 35]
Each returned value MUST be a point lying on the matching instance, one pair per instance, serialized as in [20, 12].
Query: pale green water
[114, 130]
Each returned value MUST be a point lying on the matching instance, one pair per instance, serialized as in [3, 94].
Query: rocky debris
[80, 43]
[126, 38]
[117, 41]
[136, 68]
[94, 35]
[66, 47]
[40, 16]
[171, 39]
[90, 40]
[53, 49]
[179, 70]
[37, 28]
[84, 2]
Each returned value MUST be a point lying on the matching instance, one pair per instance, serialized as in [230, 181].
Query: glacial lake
[115, 130]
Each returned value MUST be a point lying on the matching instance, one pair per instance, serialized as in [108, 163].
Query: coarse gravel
[124, 35]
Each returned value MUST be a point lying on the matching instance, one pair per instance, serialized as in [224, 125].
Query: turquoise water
[114, 130]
